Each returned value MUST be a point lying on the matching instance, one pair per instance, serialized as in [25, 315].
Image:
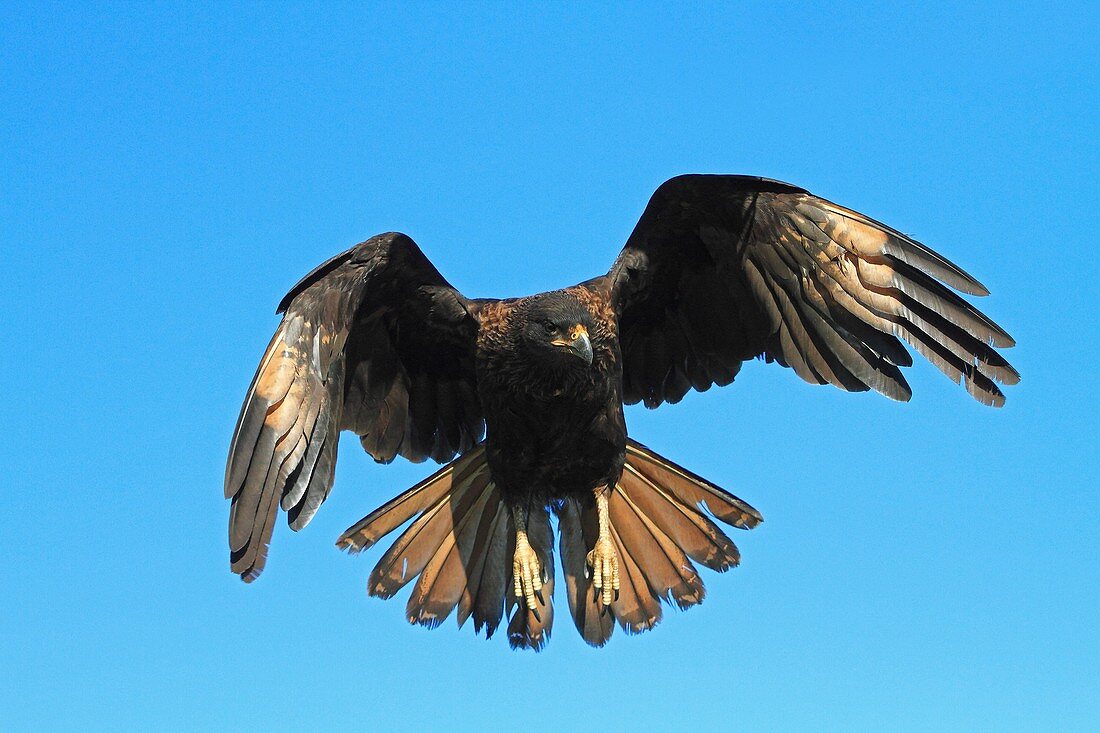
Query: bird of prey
[528, 394]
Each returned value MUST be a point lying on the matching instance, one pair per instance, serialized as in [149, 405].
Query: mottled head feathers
[553, 329]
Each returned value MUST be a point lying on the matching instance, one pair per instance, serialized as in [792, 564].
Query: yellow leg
[526, 569]
[603, 559]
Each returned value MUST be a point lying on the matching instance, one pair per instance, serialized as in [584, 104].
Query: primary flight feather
[529, 394]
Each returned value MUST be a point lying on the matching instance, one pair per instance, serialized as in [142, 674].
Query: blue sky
[169, 170]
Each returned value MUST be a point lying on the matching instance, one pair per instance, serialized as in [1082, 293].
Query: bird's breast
[554, 445]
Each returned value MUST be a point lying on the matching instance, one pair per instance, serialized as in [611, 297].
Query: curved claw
[526, 572]
[604, 562]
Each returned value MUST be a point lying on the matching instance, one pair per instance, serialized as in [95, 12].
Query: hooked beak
[578, 343]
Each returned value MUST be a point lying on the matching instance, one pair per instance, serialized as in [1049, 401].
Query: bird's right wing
[374, 341]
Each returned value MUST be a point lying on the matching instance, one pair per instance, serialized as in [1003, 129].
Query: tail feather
[486, 532]
[496, 575]
[661, 515]
[459, 549]
[687, 527]
[530, 628]
[416, 546]
[691, 490]
[444, 579]
[397, 511]
[637, 608]
[577, 533]
[669, 572]
[461, 541]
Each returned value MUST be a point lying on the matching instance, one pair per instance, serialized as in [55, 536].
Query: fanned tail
[661, 520]
[460, 544]
[459, 549]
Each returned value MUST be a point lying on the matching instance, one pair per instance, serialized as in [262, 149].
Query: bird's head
[556, 329]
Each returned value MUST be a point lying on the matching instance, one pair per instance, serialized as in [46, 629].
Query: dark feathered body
[554, 427]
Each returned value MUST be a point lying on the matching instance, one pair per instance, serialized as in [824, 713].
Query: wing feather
[721, 269]
[373, 340]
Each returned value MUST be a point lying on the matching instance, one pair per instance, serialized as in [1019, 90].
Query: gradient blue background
[169, 170]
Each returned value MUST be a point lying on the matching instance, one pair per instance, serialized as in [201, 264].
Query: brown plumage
[528, 393]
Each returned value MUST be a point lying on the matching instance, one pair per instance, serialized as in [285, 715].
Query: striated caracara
[528, 393]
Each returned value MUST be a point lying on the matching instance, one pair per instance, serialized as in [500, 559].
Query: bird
[522, 399]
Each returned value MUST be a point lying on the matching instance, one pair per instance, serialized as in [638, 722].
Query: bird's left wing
[374, 341]
[721, 269]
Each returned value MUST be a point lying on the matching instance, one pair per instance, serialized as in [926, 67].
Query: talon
[605, 570]
[526, 572]
[603, 559]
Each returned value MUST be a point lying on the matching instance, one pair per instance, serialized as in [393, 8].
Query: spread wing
[374, 341]
[721, 269]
